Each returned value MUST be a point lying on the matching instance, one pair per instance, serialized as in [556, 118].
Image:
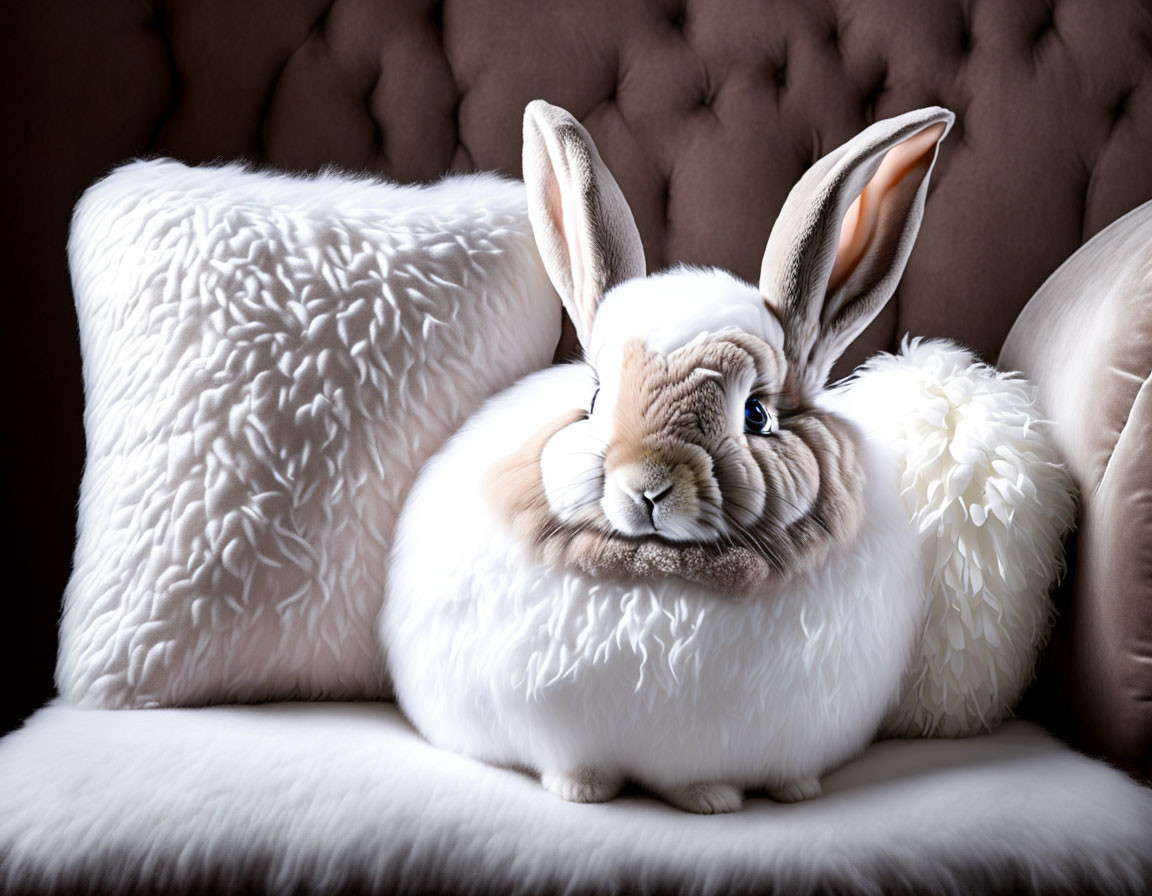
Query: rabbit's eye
[758, 419]
[592, 403]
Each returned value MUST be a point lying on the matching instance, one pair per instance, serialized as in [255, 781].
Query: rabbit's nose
[637, 498]
[647, 496]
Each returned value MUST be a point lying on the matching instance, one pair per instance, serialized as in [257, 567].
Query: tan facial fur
[684, 491]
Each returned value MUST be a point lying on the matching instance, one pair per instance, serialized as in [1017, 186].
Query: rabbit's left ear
[583, 226]
[844, 235]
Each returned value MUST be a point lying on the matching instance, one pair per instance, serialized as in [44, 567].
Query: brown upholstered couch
[707, 112]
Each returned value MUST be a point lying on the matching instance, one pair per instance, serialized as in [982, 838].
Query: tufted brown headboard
[706, 110]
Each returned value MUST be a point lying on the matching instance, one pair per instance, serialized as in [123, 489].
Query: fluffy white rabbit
[673, 563]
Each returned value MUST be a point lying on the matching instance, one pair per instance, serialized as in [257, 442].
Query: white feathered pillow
[268, 360]
[985, 488]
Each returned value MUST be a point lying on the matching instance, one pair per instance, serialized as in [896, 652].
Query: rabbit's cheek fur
[740, 481]
[791, 474]
[572, 471]
[515, 487]
[814, 482]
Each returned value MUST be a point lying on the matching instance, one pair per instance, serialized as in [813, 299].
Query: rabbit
[669, 563]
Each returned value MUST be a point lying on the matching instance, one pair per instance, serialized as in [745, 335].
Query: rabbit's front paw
[796, 791]
[705, 798]
[582, 784]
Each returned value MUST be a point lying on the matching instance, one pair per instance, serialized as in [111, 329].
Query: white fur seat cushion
[335, 797]
[267, 362]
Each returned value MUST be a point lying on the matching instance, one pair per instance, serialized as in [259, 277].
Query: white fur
[671, 308]
[268, 360]
[343, 798]
[513, 662]
[985, 488]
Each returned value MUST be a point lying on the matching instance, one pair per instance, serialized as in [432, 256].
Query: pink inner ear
[859, 225]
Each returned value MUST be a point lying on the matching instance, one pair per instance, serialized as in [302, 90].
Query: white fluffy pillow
[267, 362]
[984, 485]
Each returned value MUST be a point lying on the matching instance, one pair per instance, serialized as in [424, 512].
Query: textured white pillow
[984, 485]
[268, 360]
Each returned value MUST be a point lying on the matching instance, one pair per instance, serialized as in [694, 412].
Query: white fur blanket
[324, 797]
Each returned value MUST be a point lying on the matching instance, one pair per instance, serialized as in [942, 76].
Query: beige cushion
[1085, 339]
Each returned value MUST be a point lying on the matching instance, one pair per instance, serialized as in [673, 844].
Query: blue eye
[757, 420]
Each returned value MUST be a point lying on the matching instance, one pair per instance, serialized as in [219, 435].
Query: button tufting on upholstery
[1048, 25]
[320, 26]
[708, 97]
[957, 136]
[780, 76]
[378, 132]
[1120, 107]
[316, 103]
[872, 98]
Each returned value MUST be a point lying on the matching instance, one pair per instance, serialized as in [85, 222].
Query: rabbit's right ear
[584, 228]
[843, 237]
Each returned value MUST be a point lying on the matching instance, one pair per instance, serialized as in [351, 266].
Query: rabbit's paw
[797, 790]
[705, 797]
[582, 784]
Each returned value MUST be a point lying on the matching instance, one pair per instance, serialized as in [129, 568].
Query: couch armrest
[1085, 339]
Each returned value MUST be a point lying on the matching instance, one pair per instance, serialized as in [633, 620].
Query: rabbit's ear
[844, 235]
[584, 228]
